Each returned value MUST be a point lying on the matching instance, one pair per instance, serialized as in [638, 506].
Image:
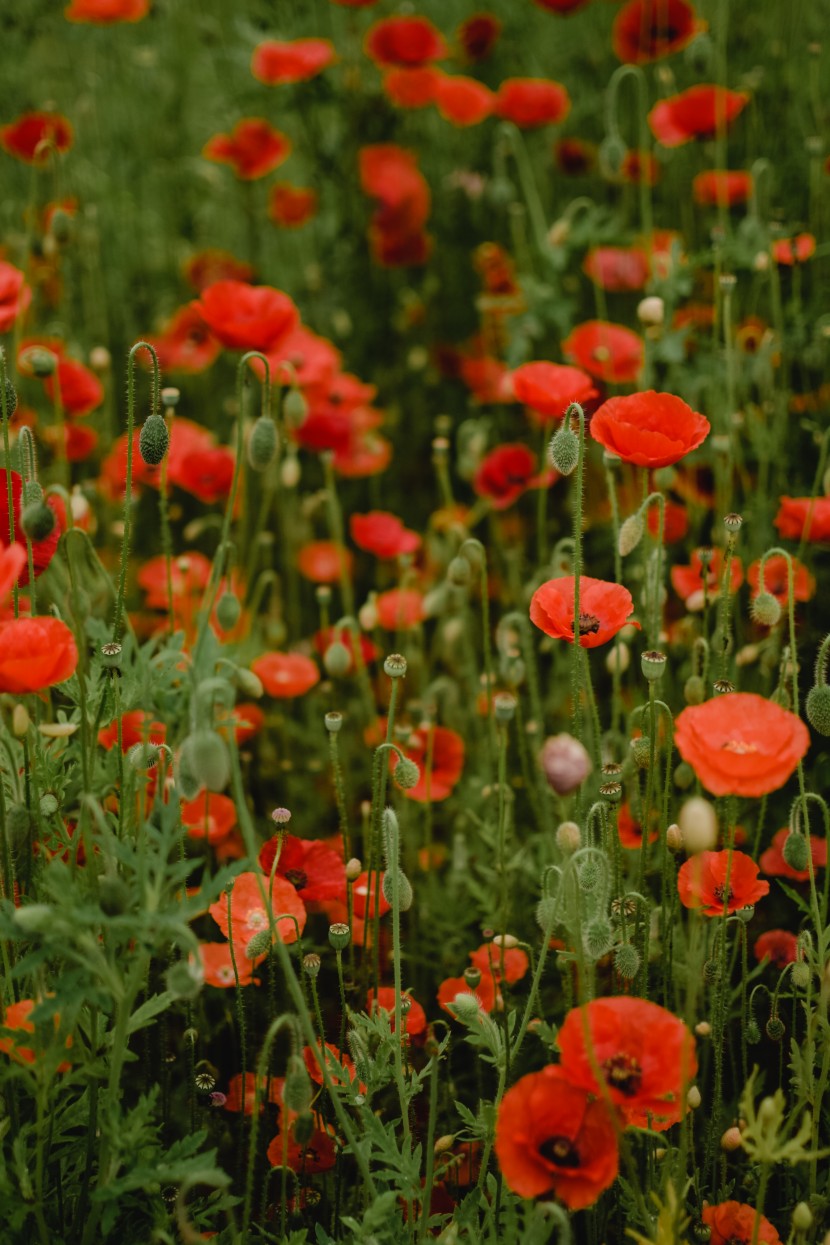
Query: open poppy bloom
[247, 317]
[774, 864]
[412, 88]
[727, 187]
[645, 30]
[696, 113]
[405, 41]
[35, 653]
[617, 268]
[340, 1068]
[604, 609]
[34, 136]
[17, 1020]
[740, 743]
[415, 1019]
[12, 561]
[645, 1054]
[553, 1137]
[285, 675]
[777, 579]
[291, 207]
[790, 251]
[391, 175]
[702, 882]
[607, 351]
[218, 967]
[439, 754]
[462, 100]
[252, 149]
[530, 102]
[324, 561]
[733, 1223]
[242, 1093]
[804, 516]
[575, 157]
[276, 63]
[494, 960]
[484, 993]
[214, 264]
[15, 295]
[242, 914]
[185, 343]
[383, 534]
[316, 1154]
[314, 869]
[399, 609]
[80, 389]
[649, 429]
[780, 946]
[106, 12]
[689, 581]
[505, 473]
[210, 816]
[548, 389]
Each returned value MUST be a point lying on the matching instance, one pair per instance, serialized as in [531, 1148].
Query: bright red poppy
[799, 515]
[210, 816]
[548, 389]
[247, 317]
[364, 899]
[12, 561]
[340, 1068]
[383, 534]
[80, 389]
[34, 136]
[439, 754]
[276, 63]
[702, 882]
[675, 522]
[696, 113]
[315, 1155]
[728, 187]
[774, 864]
[777, 579]
[35, 653]
[412, 88]
[218, 968]
[42, 550]
[243, 911]
[324, 561]
[391, 175]
[462, 100]
[649, 429]
[509, 964]
[790, 251]
[185, 343]
[415, 1019]
[16, 1019]
[531, 102]
[639, 167]
[505, 473]
[617, 268]
[646, 30]
[484, 993]
[285, 675]
[15, 295]
[478, 35]
[252, 149]
[604, 609]
[137, 726]
[630, 830]
[645, 1054]
[314, 869]
[399, 609]
[239, 1098]
[780, 946]
[607, 351]
[291, 207]
[553, 1137]
[189, 575]
[106, 12]
[733, 1223]
[688, 581]
[405, 41]
[740, 743]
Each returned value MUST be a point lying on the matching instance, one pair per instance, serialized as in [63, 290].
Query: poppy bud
[597, 938]
[565, 763]
[20, 721]
[354, 868]
[228, 610]
[563, 450]
[775, 1031]
[296, 1092]
[753, 1033]
[618, 658]
[113, 895]
[698, 825]
[465, 1007]
[590, 875]
[337, 659]
[641, 752]
[504, 706]
[294, 408]
[796, 853]
[802, 1217]
[9, 403]
[290, 471]
[153, 439]
[262, 443]
[38, 521]
[674, 838]
[683, 775]
[458, 572]
[711, 972]
[407, 774]
[765, 609]
[32, 492]
[800, 975]
[143, 757]
[259, 945]
[694, 690]
[818, 708]
[631, 533]
[39, 361]
[205, 755]
[612, 153]
[651, 311]
[185, 978]
[568, 837]
[731, 1139]
[404, 889]
[627, 961]
[339, 935]
[546, 912]
[693, 1098]
[34, 917]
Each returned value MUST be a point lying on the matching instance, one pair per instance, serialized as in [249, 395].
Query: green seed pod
[263, 443]
[407, 774]
[337, 660]
[796, 853]
[205, 754]
[153, 439]
[694, 690]
[631, 533]
[294, 408]
[683, 775]
[818, 708]
[228, 611]
[38, 521]
[563, 450]
[11, 400]
[339, 935]
[297, 1092]
[395, 666]
[627, 961]
[765, 609]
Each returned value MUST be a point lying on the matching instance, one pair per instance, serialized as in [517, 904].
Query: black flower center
[723, 893]
[588, 623]
[560, 1151]
[623, 1072]
[297, 877]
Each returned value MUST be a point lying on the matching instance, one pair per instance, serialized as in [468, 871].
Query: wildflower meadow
[414, 622]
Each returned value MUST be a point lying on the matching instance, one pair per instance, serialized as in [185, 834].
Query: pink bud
[565, 763]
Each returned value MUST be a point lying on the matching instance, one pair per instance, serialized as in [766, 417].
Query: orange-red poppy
[804, 516]
[411, 88]
[733, 1223]
[17, 1020]
[780, 946]
[247, 317]
[478, 35]
[646, 30]
[727, 187]
[285, 675]
[508, 964]
[15, 295]
[462, 100]
[531, 102]
[574, 156]
[702, 882]
[548, 389]
[561, 6]
[35, 653]
[604, 609]
[790, 251]
[607, 351]
[415, 1019]
[42, 550]
[505, 473]
[688, 581]
[324, 561]
[696, 113]
[291, 207]
[741, 744]
[210, 816]
[649, 429]
[315, 869]
[439, 754]
[33, 136]
[185, 343]
[484, 993]
[405, 41]
[399, 609]
[276, 63]
[383, 534]
[252, 149]
[617, 268]
[218, 967]
[777, 579]
[214, 264]
[243, 911]
[80, 389]
[106, 12]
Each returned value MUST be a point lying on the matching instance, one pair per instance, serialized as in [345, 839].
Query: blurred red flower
[252, 149]
[210, 816]
[630, 830]
[324, 561]
[137, 726]
[728, 187]
[185, 343]
[106, 12]
[291, 207]
[439, 754]
[391, 175]
[552, 1137]
[505, 473]
[213, 264]
[35, 653]
[777, 579]
[33, 136]
[404, 41]
[12, 561]
[399, 609]
[574, 156]
[247, 317]
[675, 522]
[790, 251]
[561, 6]
[484, 993]
[780, 946]
[639, 167]
[478, 35]
[276, 63]
[75, 441]
[649, 429]
[243, 912]
[490, 958]
[412, 88]
[314, 869]
[617, 268]
[530, 102]
[607, 351]
[733, 1223]
[16, 1019]
[364, 901]
[315, 1155]
[285, 675]
[42, 550]
[382, 534]
[604, 609]
[645, 1054]
[462, 100]
[645, 30]
[773, 862]
[236, 1099]
[740, 743]
[548, 389]
[688, 581]
[797, 514]
[702, 882]
[695, 113]
[415, 1020]
[15, 295]
[80, 389]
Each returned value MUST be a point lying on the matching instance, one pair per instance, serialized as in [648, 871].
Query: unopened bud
[765, 609]
[354, 868]
[262, 444]
[818, 708]
[674, 838]
[731, 1140]
[407, 774]
[228, 611]
[631, 533]
[568, 837]
[698, 825]
[651, 311]
[693, 1098]
[563, 450]
[153, 439]
[337, 659]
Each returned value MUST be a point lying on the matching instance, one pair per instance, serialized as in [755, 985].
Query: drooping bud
[228, 611]
[765, 609]
[10, 405]
[297, 1091]
[775, 1028]
[818, 708]
[796, 853]
[563, 450]
[154, 439]
[407, 774]
[568, 837]
[262, 444]
[627, 961]
[294, 408]
[631, 533]
[38, 521]
[205, 755]
[694, 690]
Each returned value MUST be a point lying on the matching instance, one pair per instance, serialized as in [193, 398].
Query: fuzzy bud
[693, 1098]
[546, 912]
[297, 1091]
[153, 439]
[627, 961]
[641, 751]
[404, 889]
[354, 868]
[228, 611]
[113, 895]
[765, 609]
[631, 533]
[753, 1033]
[205, 755]
[563, 450]
[651, 311]
[731, 1140]
[10, 400]
[800, 975]
[259, 945]
[337, 659]
[618, 658]
[674, 838]
[262, 444]
[694, 690]
[458, 572]
[407, 774]
[465, 1007]
[565, 763]
[775, 1029]
[590, 875]
[294, 408]
[698, 825]
[38, 520]
[143, 757]
[597, 938]
[818, 708]
[568, 837]
[796, 853]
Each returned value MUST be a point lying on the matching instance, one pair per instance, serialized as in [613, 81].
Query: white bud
[698, 825]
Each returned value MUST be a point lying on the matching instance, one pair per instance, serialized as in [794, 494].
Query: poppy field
[414, 624]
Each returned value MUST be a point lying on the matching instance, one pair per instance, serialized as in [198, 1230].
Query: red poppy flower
[75, 441]
[548, 389]
[238, 1099]
[484, 993]
[15, 295]
[291, 207]
[314, 869]
[607, 351]
[649, 429]
[645, 30]
[504, 474]
[415, 1019]
[35, 653]
[688, 582]
[106, 12]
[364, 901]
[695, 113]
[617, 268]
[638, 168]
[243, 911]
[774, 864]
[340, 1068]
[324, 561]
[276, 63]
[702, 882]
[574, 156]
[399, 609]
[604, 609]
[252, 149]
[12, 561]
[189, 575]
[477, 35]
[487, 379]
[795, 514]
[285, 675]
[218, 968]
[791, 251]
[490, 959]
[42, 550]
[137, 726]
[740, 743]
[317, 1154]
[391, 175]
[343, 635]
[210, 816]
[675, 522]
[630, 830]
[404, 41]
[530, 102]
[439, 754]
[461, 100]
[780, 946]
[552, 1137]
[777, 579]
[213, 264]
[247, 317]
[722, 186]
[412, 88]
[646, 1056]
[16, 1019]
[383, 534]
[733, 1223]
[185, 344]
[80, 389]
[35, 135]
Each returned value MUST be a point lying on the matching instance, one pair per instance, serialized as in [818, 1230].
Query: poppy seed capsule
[153, 439]
[339, 935]
[472, 977]
[563, 450]
[170, 397]
[653, 665]
[9, 405]
[395, 666]
[333, 721]
[38, 521]
[765, 609]
[262, 444]
[205, 755]
[111, 655]
[631, 533]
[228, 611]
[311, 964]
[818, 708]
